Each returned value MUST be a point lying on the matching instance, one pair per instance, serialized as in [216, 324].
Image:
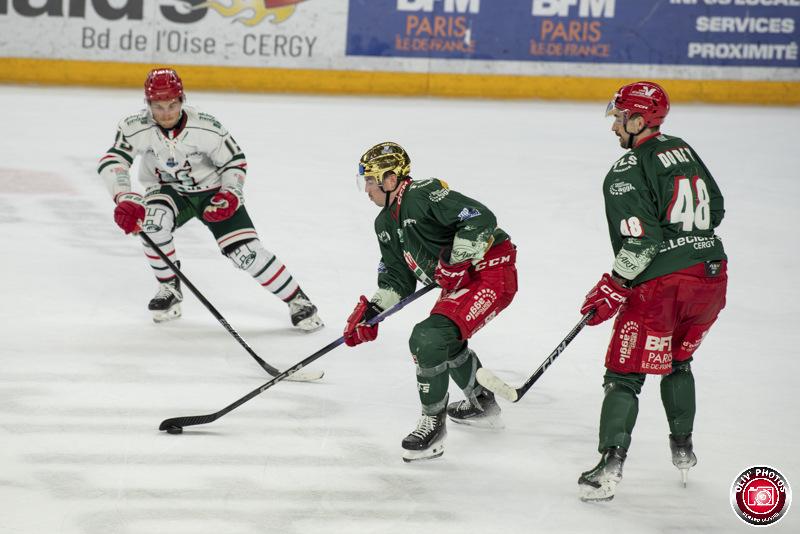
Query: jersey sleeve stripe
[125, 156]
[239, 156]
[106, 164]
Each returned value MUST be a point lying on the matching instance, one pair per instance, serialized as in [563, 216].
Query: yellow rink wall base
[271, 80]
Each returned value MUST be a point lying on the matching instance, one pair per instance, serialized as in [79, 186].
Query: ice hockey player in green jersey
[668, 281]
[191, 168]
[429, 233]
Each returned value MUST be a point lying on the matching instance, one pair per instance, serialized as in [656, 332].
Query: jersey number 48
[690, 204]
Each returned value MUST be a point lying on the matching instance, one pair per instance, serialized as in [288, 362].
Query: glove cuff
[372, 311]
[128, 196]
[621, 287]
[620, 280]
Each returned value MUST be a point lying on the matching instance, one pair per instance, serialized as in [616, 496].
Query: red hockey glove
[357, 331]
[223, 205]
[605, 298]
[451, 277]
[129, 212]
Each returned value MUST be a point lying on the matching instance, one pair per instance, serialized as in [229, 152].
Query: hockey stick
[487, 379]
[306, 376]
[175, 425]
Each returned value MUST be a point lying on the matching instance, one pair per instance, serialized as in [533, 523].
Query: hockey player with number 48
[668, 281]
[428, 232]
[191, 167]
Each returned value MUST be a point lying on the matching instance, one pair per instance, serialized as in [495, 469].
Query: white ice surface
[86, 377]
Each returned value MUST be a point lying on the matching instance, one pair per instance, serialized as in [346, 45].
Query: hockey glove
[357, 331]
[605, 298]
[129, 212]
[223, 205]
[451, 277]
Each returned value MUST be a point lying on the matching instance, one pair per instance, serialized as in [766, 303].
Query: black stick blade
[190, 420]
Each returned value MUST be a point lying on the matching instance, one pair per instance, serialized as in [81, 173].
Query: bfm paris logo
[540, 8]
[247, 12]
[760, 496]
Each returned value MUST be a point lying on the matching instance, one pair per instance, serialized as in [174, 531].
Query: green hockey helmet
[382, 159]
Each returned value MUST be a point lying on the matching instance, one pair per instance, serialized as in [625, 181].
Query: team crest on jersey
[384, 237]
[620, 188]
[626, 162]
[468, 213]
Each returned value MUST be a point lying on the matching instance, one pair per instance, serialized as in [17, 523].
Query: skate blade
[596, 499]
[310, 324]
[428, 454]
[684, 476]
[494, 422]
[162, 316]
[434, 451]
[604, 493]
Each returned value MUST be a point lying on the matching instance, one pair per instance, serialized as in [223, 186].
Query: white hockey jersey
[197, 155]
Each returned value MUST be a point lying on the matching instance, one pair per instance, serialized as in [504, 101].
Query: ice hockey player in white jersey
[190, 167]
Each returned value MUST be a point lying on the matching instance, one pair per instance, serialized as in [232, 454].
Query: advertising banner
[727, 33]
[280, 33]
[725, 50]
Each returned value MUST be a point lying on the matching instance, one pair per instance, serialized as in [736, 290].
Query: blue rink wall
[726, 51]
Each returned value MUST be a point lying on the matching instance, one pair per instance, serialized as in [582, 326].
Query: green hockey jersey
[426, 219]
[662, 206]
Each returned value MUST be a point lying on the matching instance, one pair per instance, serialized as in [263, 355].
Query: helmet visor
[363, 178]
[611, 107]
[620, 115]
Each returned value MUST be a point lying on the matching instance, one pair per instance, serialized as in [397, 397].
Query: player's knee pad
[159, 222]
[249, 255]
[425, 344]
[618, 382]
[433, 340]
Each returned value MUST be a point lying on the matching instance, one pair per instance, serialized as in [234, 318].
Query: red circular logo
[761, 496]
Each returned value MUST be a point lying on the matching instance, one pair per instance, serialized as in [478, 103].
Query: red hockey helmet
[163, 84]
[647, 99]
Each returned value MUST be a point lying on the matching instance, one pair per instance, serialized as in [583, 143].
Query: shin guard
[678, 398]
[619, 411]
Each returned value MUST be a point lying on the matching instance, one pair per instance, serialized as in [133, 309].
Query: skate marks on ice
[293, 464]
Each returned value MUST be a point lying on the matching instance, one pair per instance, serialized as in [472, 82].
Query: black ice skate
[599, 483]
[166, 305]
[427, 440]
[485, 413]
[304, 313]
[683, 456]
